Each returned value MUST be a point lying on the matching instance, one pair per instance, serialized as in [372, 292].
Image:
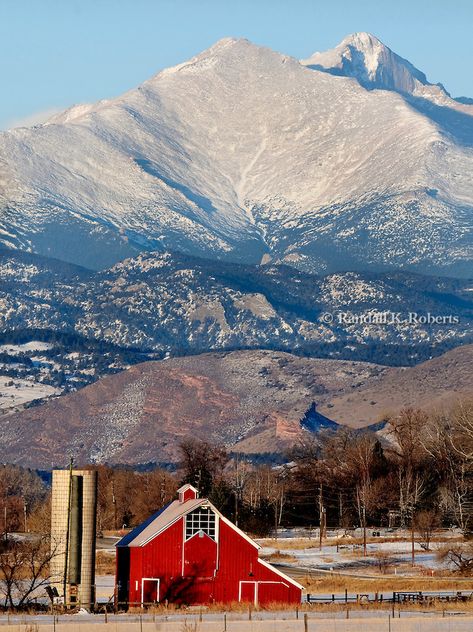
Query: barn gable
[190, 553]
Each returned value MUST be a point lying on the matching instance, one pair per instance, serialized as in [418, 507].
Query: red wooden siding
[200, 556]
[200, 570]
[188, 494]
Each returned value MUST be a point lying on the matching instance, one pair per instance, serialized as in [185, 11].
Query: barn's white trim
[256, 585]
[181, 512]
[255, 592]
[280, 573]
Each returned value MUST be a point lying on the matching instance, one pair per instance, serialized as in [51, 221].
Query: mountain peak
[364, 57]
[244, 154]
[363, 38]
[228, 50]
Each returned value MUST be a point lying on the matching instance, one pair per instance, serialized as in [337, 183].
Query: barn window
[201, 520]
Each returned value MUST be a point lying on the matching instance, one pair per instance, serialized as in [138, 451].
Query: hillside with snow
[177, 304]
[248, 155]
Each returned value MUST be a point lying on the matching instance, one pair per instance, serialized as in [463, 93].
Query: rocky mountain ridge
[176, 304]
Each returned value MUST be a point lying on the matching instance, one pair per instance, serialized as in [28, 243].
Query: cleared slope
[239, 153]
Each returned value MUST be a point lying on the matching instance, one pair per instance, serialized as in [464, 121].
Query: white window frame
[196, 526]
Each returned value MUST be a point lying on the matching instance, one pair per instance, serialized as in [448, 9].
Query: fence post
[389, 623]
[225, 622]
[297, 612]
[346, 595]
[306, 622]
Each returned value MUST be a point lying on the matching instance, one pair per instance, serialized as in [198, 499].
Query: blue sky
[54, 53]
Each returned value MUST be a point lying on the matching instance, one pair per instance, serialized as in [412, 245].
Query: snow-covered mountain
[246, 154]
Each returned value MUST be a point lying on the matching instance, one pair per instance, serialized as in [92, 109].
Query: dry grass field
[338, 584]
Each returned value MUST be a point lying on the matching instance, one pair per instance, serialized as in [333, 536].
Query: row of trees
[417, 463]
[418, 468]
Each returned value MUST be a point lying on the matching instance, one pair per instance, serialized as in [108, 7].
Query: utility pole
[340, 510]
[364, 529]
[114, 503]
[163, 490]
[412, 541]
[236, 505]
[321, 516]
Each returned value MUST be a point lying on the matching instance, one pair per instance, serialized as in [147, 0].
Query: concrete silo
[73, 531]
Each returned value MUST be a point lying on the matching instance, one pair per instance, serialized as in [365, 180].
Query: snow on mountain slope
[243, 153]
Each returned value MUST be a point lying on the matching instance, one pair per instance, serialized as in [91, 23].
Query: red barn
[189, 553]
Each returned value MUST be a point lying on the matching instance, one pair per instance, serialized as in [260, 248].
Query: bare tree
[443, 441]
[202, 463]
[405, 432]
[462, 429]
[459, 556]
[24, 569]
[425, 522]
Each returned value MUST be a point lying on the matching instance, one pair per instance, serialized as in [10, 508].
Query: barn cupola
[187, 492]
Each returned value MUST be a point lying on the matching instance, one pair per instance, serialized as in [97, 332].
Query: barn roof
[159, 521]
[134, 533]
[141, 535]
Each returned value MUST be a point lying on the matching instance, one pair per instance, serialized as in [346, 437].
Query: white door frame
[255, 585]
[150, 579]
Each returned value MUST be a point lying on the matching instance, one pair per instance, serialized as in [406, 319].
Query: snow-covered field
[393, 556]
[33, 345]
[15, 392]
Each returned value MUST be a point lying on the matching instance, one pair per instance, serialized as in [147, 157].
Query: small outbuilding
[189, 553]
